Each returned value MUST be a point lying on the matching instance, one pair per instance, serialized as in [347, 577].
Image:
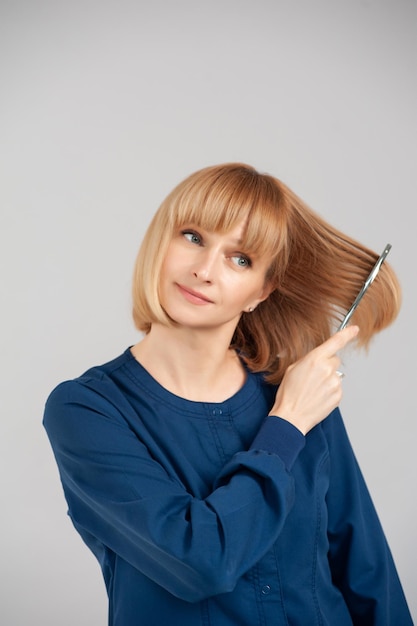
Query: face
[207, 280]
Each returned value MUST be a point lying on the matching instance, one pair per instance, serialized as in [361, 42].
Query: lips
[193, 296]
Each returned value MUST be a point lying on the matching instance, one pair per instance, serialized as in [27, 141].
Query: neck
[194, 365]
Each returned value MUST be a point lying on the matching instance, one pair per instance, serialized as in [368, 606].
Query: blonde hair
[315, 270]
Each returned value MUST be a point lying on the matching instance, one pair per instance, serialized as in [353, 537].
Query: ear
[265, 292]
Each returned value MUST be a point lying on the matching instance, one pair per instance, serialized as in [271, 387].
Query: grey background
[104, 107]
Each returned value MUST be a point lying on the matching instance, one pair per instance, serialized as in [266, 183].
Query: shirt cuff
[280, 437]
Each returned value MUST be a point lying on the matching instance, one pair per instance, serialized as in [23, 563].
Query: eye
[241, 260]
[192, 236]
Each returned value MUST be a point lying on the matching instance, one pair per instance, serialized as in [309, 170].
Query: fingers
[338, 341]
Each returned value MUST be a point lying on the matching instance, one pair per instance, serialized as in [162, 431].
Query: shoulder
[334, 427]
[338, 441]
[95, 389]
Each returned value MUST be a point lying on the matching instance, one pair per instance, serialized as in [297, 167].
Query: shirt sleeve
[124, 499]
[360, 559]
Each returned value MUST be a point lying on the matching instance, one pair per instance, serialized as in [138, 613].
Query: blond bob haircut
[315, 271]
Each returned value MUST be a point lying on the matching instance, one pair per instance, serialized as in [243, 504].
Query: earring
[250, 309]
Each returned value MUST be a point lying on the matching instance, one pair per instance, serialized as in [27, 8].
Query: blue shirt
[211, 514]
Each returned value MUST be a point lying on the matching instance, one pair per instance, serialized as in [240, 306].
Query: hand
[311, 387]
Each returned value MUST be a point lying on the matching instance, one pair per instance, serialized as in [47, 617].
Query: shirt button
[265, 590]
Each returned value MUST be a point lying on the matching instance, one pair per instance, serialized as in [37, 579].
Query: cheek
[242, 292]
[175, 258]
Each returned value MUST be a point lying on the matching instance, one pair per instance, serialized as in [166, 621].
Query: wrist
[280, 437]
[290, 421]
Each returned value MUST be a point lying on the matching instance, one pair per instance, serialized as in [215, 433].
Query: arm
[360, 558]
[119, 494]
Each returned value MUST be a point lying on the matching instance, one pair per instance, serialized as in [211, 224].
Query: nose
[205, 266]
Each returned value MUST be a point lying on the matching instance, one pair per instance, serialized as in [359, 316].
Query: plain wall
[104, 107]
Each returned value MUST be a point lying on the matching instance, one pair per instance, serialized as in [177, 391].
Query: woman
[207, 467]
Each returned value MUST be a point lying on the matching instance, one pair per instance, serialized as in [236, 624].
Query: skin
[214, 266]
[207, 283]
